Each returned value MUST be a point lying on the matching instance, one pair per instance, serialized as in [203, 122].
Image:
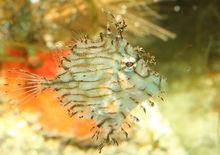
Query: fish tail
[22, 86]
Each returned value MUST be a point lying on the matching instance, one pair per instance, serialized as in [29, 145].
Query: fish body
[102, 79]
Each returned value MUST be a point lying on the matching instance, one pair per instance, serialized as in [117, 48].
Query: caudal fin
[22, 86]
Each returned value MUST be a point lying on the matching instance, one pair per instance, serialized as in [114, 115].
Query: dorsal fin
[79, 36]
[115, 26]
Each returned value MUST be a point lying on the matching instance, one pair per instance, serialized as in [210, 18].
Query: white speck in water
[177, 8]
[48, 37]
[123, 9]
[34, 1]
[194, 7]
[136, 24]
[188, 69]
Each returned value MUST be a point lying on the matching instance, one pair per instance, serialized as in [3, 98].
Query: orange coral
[51, 115]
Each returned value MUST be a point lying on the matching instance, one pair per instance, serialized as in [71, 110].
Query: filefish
[102, 79]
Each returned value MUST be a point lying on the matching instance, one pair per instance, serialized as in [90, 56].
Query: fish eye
[129, 64]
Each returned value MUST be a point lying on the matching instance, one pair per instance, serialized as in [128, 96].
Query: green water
[191, 65]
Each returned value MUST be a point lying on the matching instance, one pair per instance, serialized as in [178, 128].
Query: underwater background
[184, 37]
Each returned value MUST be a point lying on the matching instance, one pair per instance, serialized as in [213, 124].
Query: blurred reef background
[184, 36]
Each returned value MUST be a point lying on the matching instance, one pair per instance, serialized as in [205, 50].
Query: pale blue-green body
[104, 80]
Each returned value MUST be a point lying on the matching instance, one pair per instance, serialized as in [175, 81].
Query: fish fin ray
[21, 86]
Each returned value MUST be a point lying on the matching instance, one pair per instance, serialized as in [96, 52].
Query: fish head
[136, 69]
